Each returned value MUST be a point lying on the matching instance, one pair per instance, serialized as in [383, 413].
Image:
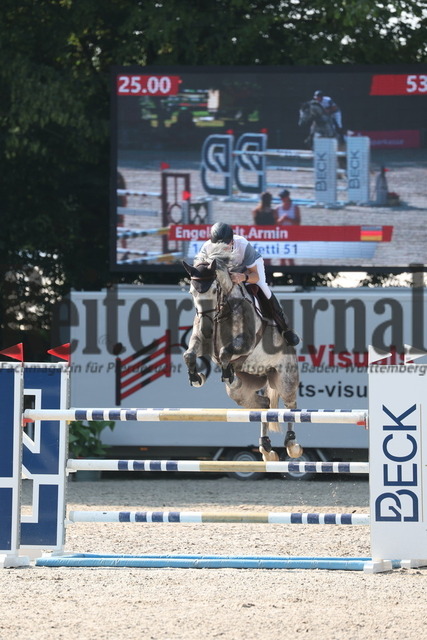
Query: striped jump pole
[269, 517]
[359, 417]
[217, 466]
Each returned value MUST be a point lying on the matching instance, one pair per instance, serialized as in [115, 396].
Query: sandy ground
[230, 604]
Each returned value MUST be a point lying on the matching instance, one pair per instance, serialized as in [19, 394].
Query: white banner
[397, 409]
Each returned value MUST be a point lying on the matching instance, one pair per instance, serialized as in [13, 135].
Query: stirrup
[291, 337]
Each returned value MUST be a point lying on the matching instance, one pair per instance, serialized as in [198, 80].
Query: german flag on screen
[371, 234]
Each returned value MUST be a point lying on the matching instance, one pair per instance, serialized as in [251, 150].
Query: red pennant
[186, 195]
[16, 352]
[164, 165]
[62, 352]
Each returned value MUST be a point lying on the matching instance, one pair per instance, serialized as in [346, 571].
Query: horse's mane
[219, 252]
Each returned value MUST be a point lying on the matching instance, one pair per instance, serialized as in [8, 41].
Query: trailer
[127, 345]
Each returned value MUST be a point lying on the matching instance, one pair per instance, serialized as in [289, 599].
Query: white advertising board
[336, 325]
[397, 432]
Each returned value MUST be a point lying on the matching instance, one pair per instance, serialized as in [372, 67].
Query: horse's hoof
[268, 456]
[292, 338]
[198, 380]
[227, 375]
[294, 450]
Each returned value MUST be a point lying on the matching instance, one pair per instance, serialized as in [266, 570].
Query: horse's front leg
[194, 351]
[239, 345]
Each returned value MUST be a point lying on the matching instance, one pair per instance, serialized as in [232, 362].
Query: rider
[331, 108]
[252, 263]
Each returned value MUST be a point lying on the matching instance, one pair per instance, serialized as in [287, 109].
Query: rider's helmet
[318, 94]
[221, 232]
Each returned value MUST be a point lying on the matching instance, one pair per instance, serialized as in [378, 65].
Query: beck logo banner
[396, 430]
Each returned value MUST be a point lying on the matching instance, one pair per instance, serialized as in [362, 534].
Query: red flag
[16, 352]
[164, 165]
[186, 195]
[62, 352]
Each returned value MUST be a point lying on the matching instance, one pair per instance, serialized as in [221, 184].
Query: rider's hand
[238, 277]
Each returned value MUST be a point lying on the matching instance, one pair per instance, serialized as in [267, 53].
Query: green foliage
[84, 440]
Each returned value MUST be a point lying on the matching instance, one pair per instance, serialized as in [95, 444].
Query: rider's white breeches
[338, 118]
[261, 275]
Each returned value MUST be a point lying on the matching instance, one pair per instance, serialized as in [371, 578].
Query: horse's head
[202, 276]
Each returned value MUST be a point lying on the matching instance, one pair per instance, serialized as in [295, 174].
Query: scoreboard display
[192, 146]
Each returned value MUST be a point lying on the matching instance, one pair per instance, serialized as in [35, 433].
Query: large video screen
[320, 168]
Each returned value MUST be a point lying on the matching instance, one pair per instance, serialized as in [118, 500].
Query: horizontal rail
[359, 417]
[217, 466]
[141, 233]
[284, 153]
[204, 562]
[270, 517]
[137, 192]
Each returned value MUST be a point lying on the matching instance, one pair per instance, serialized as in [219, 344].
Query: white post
[358, 163]
[325, 170]
[398, 464]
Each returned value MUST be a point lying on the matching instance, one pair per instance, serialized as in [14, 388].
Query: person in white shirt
[249, 266]
[330, 107]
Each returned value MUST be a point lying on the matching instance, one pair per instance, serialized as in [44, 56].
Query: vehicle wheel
[307, 456]
[245, 456]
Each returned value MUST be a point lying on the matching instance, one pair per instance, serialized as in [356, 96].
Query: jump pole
[202, 415]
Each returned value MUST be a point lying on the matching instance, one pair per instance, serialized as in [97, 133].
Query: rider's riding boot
[278, 316]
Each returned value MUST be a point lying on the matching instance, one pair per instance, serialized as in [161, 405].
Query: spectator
[264, 213]
[287, 213]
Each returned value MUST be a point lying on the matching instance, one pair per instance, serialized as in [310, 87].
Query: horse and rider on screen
[323, 117]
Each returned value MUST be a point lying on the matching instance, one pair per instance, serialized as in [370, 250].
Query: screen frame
[175, 270]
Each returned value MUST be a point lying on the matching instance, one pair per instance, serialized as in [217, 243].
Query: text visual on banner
[296, 241]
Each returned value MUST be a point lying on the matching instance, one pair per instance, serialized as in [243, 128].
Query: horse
[321, 123]
[257, 365]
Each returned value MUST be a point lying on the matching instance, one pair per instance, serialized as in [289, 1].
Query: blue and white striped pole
[359, 417]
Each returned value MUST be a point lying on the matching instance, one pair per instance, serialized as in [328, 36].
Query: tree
[54, 113]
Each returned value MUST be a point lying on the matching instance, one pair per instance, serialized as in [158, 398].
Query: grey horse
[321, 123]
[258, 367]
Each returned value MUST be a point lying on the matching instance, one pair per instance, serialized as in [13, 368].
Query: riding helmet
[221, 232]
[318, 94]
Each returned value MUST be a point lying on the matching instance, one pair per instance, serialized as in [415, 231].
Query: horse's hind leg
[286, 386]
[293, 449]
[265, 448]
